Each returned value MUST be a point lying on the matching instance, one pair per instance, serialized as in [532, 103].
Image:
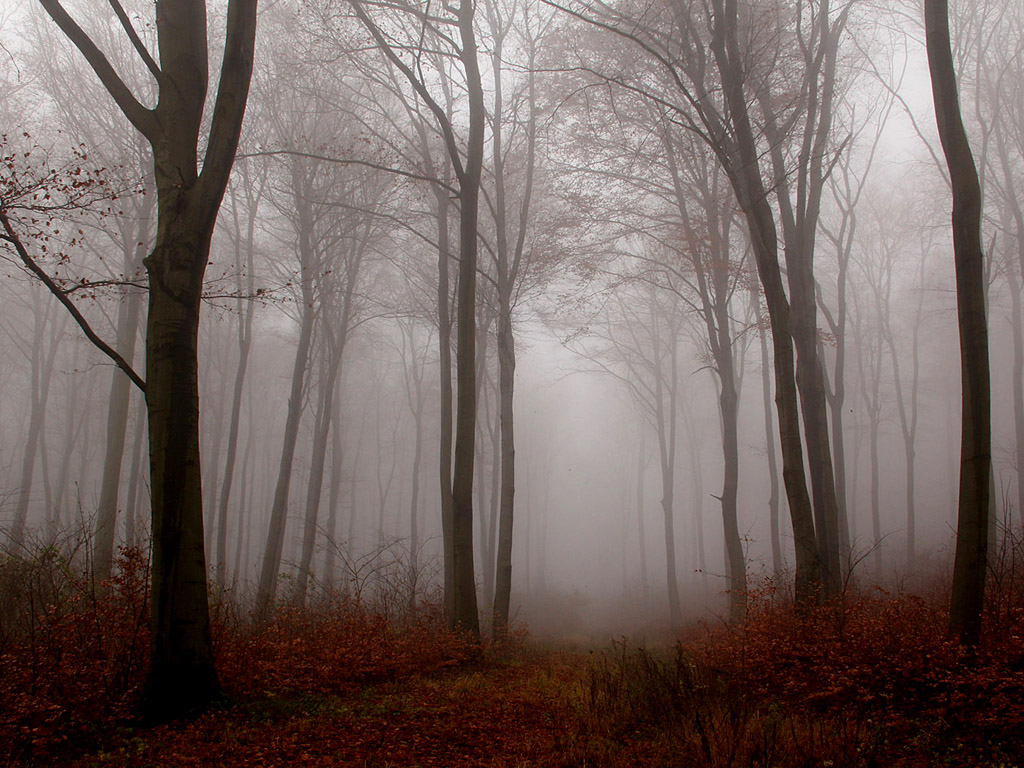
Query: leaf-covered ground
[508, 711]
[866, 680]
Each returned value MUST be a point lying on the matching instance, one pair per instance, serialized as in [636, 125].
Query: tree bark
[181, 676]
[968, 593]
[465, 614]
[743, 169]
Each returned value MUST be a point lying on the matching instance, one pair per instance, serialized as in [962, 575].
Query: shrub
[869, 679]
[73, 653]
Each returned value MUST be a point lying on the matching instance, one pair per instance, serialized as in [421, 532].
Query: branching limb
[12, 237]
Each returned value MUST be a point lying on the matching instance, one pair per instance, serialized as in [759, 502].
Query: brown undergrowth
[868, 680]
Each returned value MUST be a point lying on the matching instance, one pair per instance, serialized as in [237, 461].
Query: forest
[512, 383]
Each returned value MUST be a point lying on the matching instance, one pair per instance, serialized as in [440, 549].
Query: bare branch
[61, 295]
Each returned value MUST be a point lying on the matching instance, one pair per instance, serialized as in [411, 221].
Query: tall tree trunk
[446, 436]
[314, 488]
[267, 587]
[129, 310]
[415, 395]
[769, 431]
[464, 612]
[641, 466]
[1014, 274]
[968, 592]
[1017, 320]
[744, 173]
[245, 309]
[665, 418]
[334, 496]
[279, 510]
[181, 675]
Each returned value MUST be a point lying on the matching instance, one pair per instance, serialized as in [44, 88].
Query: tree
[182, 677]
[968, 593]
[468, 168]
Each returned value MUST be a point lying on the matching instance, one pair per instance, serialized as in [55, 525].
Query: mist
[621, 336]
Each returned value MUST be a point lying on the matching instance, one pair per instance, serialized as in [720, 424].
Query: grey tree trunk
[128, 312]
[245, 309]
[769, 431]
[269, 571]
[743, 169]
[42, 360]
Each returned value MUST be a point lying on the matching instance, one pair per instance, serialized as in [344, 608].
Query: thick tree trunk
[181, 676]
[968, 593]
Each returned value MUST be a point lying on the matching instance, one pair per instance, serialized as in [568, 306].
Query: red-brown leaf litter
[866, 680]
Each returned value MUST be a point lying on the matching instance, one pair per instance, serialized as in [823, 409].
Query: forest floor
[866, 680]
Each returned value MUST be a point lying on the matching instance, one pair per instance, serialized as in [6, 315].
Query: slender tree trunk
[416, 397]
[876, 512]
[129, 310]
[245, 310]
[334, 496]
[244, 527]
[465, 613]
[75, 423]
[744, 174]
[444, 345]
[279, 511]
[968, 593]
[729, 405]
[132, 516]
[42, 373]
[1017, 320]
[1014, 273]
[314, 489]
[641, 466]
[769, 431]
[666, 421]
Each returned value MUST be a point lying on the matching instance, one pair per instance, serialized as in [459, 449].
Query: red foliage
[332, 648]
[70, 664]
[885, 663]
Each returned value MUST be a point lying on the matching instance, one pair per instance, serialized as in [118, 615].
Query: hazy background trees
[711, 249]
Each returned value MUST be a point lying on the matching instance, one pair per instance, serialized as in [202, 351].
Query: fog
[610, 236]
